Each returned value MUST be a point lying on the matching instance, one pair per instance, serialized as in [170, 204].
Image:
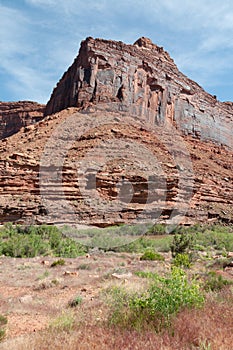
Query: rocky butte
[125, 137]
[15, 115]
[142, 79]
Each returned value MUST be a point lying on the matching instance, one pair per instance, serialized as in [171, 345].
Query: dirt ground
[32, 293]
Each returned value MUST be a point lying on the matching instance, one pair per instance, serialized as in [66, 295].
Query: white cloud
[41, 39]
[12, 27]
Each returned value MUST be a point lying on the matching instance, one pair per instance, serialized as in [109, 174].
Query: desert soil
[32, 293]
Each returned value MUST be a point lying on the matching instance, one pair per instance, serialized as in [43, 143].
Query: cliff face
[124, 137]
[143, 80]
[15, 115]
[114, 172]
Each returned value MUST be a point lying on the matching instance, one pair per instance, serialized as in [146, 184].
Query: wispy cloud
[40, 38]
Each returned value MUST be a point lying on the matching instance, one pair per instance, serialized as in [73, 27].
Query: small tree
[182, 243]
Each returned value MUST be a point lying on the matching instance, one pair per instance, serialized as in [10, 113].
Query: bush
[162, 301]
[59, 262]
[215, 282]
[220, 263]
[76, 301]
[157, 229]
[139, 245]
[151, 255]
[30, 241]
[182, 260]
[216, 236]
[146, 274]
[181, 243]
[3, 322]
[20, 246]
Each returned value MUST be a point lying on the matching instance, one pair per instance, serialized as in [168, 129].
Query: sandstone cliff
[125, 137]
[141, 79]
[43, 181]
[15, 115]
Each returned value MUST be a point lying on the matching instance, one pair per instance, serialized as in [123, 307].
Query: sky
[39, 39]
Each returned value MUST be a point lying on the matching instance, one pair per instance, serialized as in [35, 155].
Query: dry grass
[213, 324]
[206, 328]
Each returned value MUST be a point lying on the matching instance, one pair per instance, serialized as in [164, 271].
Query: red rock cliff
[15, 115]
[144, 80]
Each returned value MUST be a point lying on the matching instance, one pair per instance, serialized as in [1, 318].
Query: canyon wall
[143, 80]
[125, 136]
[15, 115]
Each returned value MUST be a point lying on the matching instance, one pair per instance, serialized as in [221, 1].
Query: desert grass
[208, 328]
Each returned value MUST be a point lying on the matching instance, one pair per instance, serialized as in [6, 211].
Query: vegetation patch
[152, 255]
[188, 307]
[76, 301]
[158, 305]
[59, 262]
[3, 323]
[181, 243]
[215, 282]
[64, 322]
[182, 260]
[30, 241]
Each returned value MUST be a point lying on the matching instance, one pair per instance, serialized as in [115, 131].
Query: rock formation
[143, 80]
[15, 115]
[68, 189]
[125, 136]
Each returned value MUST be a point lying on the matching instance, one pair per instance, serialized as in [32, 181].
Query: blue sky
[39, 39]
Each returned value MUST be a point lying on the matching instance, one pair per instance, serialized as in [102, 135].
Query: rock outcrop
[143, 80]
[51, 174]
[15, 115]
[125, 138]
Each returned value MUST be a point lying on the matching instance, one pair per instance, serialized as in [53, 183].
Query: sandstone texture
[125, 138]
[143, 80]
[42, 183]
[15, 115]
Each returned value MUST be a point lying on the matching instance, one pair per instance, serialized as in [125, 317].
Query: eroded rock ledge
[141, 79]
[15, 115]
[109, 83]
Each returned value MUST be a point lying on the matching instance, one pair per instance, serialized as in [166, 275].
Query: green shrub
[159, 304]
[118, 299]
[181, 243]
[139, 245]
[157, 229]
[216, 236]
[3, 322]
[30, 241]
[168, 295]
[146, 274]
[76, 301]
[215, 282]
[58, 262]
[151, 255]
[182, 260]
[68, 248]
[20, 246]
[220, 263]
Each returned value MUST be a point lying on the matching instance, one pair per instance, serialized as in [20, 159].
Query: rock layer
[79, 187]
[125, 136]
[15, 115]
[143, 80]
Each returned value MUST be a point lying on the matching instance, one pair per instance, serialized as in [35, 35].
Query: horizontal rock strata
[124, 138]
[113, 173]
[15, 115]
